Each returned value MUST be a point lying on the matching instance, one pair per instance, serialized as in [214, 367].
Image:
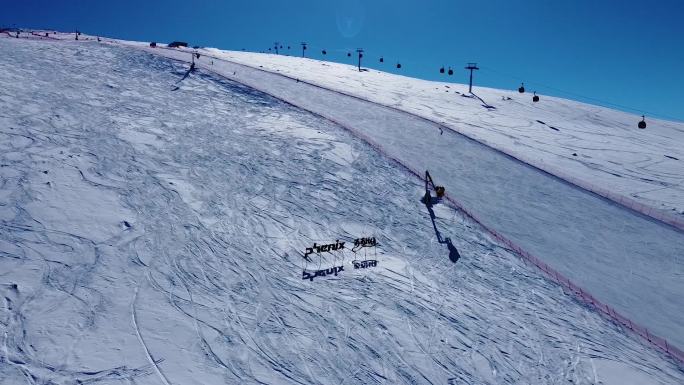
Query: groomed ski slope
[610, 153]
[152, 236]
[627, 260]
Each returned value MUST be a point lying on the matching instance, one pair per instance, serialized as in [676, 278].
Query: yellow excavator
[439, 190]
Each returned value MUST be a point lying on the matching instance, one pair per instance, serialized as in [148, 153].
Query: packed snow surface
[600, 146]
[627, 260]
[153, 231]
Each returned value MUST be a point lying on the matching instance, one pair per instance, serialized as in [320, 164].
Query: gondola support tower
[471, 67]
[360, 52]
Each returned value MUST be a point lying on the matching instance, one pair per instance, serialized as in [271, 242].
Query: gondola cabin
[535, 98]
[642, 123]
[521, 89]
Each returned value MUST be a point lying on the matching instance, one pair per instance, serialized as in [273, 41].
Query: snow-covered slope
[625, 260]
[154, 236]
[599, 146]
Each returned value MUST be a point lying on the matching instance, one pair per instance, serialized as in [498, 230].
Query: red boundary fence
[581, 294]
[527, 257]
[551, 273]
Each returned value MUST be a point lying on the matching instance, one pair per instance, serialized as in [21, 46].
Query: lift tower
[471, 67]
[360, 52]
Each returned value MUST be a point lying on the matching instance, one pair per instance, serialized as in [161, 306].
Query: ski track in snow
[639, 273]
[186, 217]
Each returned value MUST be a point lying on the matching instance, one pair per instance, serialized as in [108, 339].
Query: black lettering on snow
[364, 242]
[324, 248]
[365, 264]
[322, 273]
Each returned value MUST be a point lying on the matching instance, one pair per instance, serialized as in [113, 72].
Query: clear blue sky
[625, 52]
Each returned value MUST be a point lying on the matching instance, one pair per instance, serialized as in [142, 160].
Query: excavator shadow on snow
[187, 73]
[429, 201]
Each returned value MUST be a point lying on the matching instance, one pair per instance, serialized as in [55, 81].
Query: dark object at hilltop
[153, 44]
[176, 44]
[642, 123]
